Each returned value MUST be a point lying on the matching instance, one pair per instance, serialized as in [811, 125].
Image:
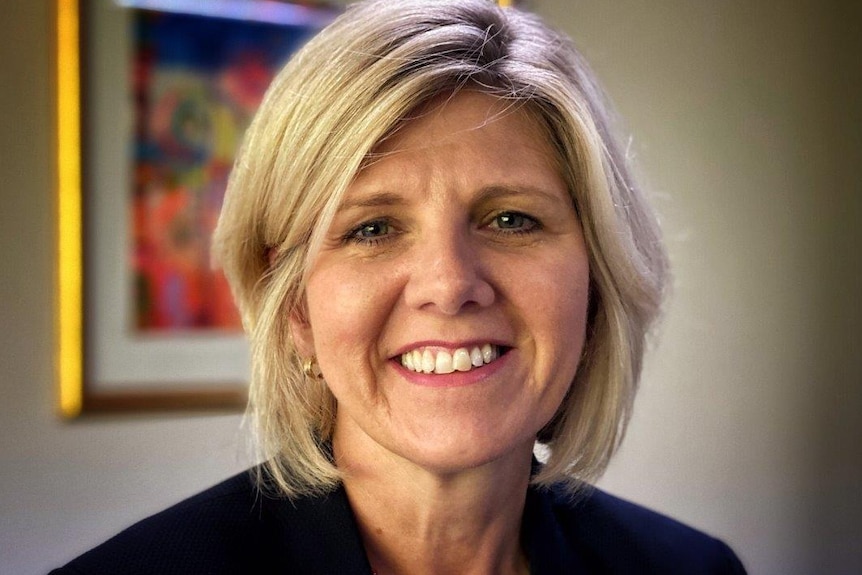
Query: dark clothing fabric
[232, 528]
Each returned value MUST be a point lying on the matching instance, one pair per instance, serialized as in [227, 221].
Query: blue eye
[373, 229]
[514, 222]
[370, 232]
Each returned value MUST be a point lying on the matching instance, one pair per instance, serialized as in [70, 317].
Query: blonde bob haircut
[349, 88]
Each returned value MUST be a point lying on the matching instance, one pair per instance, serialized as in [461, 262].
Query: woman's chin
[452, 454]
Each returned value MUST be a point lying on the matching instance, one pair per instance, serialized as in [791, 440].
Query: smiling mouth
[441, 361]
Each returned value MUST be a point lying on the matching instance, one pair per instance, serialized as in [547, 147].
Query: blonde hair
[340, 95]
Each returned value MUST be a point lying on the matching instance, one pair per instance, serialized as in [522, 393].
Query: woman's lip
[454, 379]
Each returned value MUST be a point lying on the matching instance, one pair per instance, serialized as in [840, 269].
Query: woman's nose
[447, 275]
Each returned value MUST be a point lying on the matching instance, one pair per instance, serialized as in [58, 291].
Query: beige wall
[746, 124]
[747, 421]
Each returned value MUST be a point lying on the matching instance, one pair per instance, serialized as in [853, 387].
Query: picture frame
[146, 125]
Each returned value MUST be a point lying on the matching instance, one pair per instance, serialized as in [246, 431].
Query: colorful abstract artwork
[196, 84]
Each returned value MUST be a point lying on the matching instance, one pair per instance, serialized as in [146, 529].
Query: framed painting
[153, 97]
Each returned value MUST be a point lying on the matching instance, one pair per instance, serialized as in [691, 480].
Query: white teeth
[476, 357]
[428, 362]
[442, 361]
[488, 354]
[461, 360]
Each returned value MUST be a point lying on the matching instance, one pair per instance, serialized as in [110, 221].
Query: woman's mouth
[441, 361]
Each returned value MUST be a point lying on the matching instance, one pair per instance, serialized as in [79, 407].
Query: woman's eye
[372, 229]
[514, 222]
[369, 232]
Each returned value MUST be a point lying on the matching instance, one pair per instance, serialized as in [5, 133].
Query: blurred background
[746, 124]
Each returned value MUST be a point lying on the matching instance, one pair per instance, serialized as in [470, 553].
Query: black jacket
[233, 529]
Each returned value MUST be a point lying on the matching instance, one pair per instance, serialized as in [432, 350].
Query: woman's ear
[300, 331]
[270, 253]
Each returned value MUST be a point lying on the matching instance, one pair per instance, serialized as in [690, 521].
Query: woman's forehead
[468, 143]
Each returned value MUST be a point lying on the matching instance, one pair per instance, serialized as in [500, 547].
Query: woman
[441, 259]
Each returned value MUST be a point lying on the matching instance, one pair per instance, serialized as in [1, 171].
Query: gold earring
[310, 368]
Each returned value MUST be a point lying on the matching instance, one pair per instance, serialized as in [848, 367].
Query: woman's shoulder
[232, 527]
[605, 533]
[200, 530]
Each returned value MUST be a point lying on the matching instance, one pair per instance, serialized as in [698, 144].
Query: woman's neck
[417, 521]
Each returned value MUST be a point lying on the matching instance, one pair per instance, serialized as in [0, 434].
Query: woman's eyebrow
[504, 190]
[373, 200]
[487, 193]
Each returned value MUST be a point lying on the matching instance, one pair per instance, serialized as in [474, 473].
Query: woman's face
[447, 306]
